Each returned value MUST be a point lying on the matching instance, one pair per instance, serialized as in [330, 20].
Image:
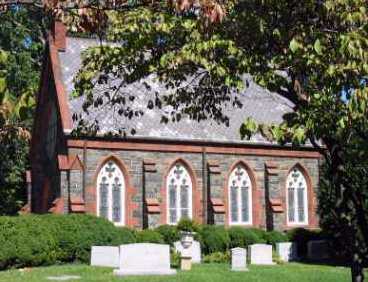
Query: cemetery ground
[205, 272]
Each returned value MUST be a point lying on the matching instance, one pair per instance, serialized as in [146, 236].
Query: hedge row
[49, 239]
[35, 240]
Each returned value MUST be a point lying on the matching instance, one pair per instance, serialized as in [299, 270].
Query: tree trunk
[337, 170]
[357, 270]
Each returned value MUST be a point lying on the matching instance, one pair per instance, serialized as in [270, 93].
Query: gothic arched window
[110, 193]
[240, 196]
[297, 197]
[179, 194]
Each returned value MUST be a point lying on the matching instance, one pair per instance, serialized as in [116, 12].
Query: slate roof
[258, 103]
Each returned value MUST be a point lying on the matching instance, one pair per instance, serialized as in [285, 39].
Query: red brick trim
[57, 206]
[256, 204]
[77, 205]
[149, 165]
[62, 99]
[130, 191]
[196, 196]
[75, 163]
[214, 167]
[26, 209]
[153, 206]
[162, 146]
[71, 162]
[58, 32]
[312, 201]
[218, 206]
[276, 205]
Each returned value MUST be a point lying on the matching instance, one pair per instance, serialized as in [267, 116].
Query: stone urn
[186, 239]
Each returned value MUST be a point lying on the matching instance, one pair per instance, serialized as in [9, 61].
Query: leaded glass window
[240, 196]
[110, 193]
[297, 197]
[179, 193]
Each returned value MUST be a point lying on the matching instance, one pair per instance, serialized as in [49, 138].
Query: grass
[205, 272]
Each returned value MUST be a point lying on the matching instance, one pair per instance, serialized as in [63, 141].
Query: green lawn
[205, 272]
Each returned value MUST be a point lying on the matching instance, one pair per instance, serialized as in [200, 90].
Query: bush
[302, 236]
[149, 236]
[174, 259]
[35, 240]
[186, 224]
[217, 257]
[242, 237]
[169, 233]
[214, 239]
[273, 237]
[127, 236]
[261, 235]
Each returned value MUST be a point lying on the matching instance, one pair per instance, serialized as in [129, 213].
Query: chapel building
[201, 170]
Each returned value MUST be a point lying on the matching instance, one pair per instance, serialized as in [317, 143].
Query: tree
[311, 52]
[21, 43]
[314, 53]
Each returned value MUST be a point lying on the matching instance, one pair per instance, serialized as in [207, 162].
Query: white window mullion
[238, 179]
[178, 176]
[178, 204]
[240, 204]
[110, 200]
[297, 182]
[108, 174]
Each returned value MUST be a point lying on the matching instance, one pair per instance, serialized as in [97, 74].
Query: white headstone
[318, 250]
[194, 250]
[105, 256]
[144, 259]
[239, 259]
[286, 251]
[260, 254]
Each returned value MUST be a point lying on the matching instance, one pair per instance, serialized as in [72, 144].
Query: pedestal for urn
[186, 255]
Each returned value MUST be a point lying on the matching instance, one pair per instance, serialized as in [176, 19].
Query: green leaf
[294, 45]
[2, 84]
[318, 47]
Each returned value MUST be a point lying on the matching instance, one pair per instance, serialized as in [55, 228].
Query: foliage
[186, 224]
[313, 53]
[302, 236]
[243, 237]
[169, 233]
[21, 47]
[42, 240]
[273, 237]
[149, 236]
[214, 239]
[217, 257]
[175, 258]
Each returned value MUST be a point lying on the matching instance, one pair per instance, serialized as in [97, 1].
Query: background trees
[21, 46]
[314, 53]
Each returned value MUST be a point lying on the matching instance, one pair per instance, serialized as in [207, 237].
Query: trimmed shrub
[302, 236]
[35, 240]
[273, 237]
[242, 237]
[214, 239]
[169, 233]
[261, 235]
[149, 236]
[217, 257]
[186, 224]
[127, 236]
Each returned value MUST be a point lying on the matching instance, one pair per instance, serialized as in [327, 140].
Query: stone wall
[146, 172]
